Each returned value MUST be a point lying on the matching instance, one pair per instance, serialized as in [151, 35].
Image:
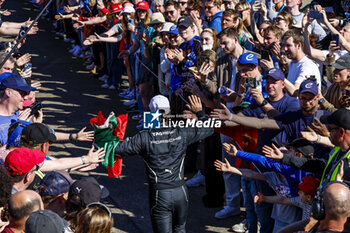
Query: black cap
[45, 221]
[342, 63]
[303, 146]
[37, 133]
[185, 21]
[341, 118]
[89, 190]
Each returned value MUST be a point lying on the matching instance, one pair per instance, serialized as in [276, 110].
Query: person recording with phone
[250, 79]
[338, 94]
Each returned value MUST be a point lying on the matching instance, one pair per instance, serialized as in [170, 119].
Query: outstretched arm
[226, 167]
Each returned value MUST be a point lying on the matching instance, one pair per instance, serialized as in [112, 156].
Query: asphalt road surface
[71, 97]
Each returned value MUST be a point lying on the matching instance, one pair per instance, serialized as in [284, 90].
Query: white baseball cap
[166, 27]
[160, 102]
[128, 9]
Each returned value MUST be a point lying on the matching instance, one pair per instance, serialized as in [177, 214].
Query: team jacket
[163, 151]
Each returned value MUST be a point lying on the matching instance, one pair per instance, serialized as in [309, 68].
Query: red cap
[22, 160]
[143, 5]
[309, 185]
[116, 8]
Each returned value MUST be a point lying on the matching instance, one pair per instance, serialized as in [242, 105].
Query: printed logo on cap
[308, 85]
[141, 4]
[250, 57]
[78, 189]
[272, 70]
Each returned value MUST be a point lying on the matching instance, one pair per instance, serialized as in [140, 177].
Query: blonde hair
[214, 34]
[146, 21]
[244, 5]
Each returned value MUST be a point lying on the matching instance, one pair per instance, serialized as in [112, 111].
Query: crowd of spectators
[275, 73]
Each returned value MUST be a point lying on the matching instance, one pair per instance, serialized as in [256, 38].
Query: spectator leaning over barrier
[38, 136]
[21, 164]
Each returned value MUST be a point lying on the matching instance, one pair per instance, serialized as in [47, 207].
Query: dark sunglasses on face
[277, 19]
[22, 93]
[209, 7]
[182, 3]
[169, 12]
[172, 36]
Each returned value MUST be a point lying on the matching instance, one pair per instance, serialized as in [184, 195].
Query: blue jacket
[292, 175]
[215, 22]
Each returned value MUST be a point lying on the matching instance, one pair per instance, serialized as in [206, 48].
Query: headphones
[317, 206]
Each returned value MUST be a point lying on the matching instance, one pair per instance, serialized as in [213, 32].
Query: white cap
[166, 27]
[128, 9]
[160, 102]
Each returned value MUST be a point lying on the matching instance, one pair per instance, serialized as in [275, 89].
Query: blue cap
[248, 58]
[56, 183]
[4, 75]
[174, 30]
[15, 81]
[308, 86]
[276, 74]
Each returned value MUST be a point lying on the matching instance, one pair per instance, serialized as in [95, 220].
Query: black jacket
[163, 151]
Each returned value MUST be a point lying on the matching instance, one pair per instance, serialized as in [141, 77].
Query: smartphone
[346, 93]
[27, 66]
[265, 54]
[131, 21]
[250, 83]
[335, 37]
[315, 14]
[35, 109]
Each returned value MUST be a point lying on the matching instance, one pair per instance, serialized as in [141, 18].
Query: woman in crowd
[95, 218]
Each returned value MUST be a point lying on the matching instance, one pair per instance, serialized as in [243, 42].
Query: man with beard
[300, 66]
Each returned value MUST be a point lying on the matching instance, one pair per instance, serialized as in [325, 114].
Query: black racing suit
[163, 151]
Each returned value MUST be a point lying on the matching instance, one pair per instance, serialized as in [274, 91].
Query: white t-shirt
[305, 67]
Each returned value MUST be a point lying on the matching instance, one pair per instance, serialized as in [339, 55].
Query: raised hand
[272, 152]
[85, 136]
[196, 104]
[309, 135]
[22, 60]
[223, 167]
[221, 114]
[95, 156]
[230, 149]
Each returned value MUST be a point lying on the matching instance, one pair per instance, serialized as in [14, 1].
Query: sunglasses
[169, 12]
[172, 36]
[209, 7]
[277, 19]
[102, 206]
[22, 93]
[182, 3]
